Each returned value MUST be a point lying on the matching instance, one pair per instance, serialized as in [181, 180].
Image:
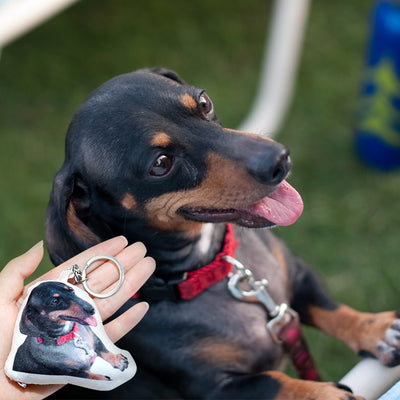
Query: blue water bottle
[377, 137]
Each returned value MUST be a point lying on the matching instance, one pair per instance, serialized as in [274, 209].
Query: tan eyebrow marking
[188, 101]
[129, 202]
[160, 139]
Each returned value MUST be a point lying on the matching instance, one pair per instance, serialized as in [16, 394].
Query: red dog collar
[64, 338]
[207, 276]
[194, 282]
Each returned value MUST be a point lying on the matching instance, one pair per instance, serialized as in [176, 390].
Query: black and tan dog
[146, 157]
[53, 318]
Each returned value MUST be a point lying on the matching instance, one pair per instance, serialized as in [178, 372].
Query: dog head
[50, 306]
[147, 155]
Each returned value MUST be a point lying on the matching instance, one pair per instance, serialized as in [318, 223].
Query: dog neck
[175, 285]
[60, 335]
[175, 253]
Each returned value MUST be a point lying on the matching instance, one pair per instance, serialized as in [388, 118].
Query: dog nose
[273, 167]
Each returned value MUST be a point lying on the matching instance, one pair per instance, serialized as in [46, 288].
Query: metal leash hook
[284, 323]
[279, 314]
[258, 292]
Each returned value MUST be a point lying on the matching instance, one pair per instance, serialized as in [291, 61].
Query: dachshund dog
[146, 157]
[59, 339]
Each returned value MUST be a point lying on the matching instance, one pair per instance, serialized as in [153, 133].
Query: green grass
[349, 230]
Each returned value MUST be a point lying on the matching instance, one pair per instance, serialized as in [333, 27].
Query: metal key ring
[115, 288]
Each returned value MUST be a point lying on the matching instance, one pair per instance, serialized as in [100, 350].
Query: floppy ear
[66, 233]
[26, 326]
[168, 73]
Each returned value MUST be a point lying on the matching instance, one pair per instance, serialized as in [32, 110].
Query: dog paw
[380, 337]
[299, 389]
[118, 361]
[388, 348]
[122, 362]
[335, 391]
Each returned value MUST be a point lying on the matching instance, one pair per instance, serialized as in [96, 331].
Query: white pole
[369, 378]
[19, 16]
[279, 67]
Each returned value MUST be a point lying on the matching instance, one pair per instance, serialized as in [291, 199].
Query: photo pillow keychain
[59, 336]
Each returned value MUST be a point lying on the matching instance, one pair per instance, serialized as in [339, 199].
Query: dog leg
[116, 360]
[97, 377]
[365, 333]
[376, 335]
[276, 385]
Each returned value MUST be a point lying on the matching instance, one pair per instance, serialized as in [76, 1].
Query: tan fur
[188, 101]
[113, 359]
[296, 389]
[73, 311]
[225, 186]
[219, 352]
[78, 228]
[129, 202]
[160, 139]
[360, 331]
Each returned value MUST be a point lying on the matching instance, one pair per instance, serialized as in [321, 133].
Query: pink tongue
[91, 321]
[281, 207]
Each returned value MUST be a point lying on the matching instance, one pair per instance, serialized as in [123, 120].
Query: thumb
[13, 275]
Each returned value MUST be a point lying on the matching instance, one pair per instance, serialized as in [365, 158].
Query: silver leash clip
[284, 316]
[258, 290]
[280, 314]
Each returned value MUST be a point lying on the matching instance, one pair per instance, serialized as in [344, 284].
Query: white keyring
[115, 288]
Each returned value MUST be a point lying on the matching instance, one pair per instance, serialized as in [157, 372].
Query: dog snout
[90, 310]
[85, 306]
[272, 167]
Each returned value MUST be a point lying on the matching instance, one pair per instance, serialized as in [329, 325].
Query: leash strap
[284, 324]
[296, 347]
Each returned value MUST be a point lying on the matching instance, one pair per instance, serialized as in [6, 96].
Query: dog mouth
[281, 207]
[83, 321]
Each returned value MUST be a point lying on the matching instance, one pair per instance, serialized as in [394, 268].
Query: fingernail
[126, 240]
[37, 246]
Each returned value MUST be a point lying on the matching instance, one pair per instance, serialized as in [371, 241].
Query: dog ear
[26, 326]
[168, 73]
[66, 233]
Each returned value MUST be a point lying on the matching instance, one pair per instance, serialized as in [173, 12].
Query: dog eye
[161, 165]
[54, 301]
[206, 105]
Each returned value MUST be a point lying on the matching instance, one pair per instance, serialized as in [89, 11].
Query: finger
[120, 326]
[13, 275]
[110, 247]
[134, 279]
[103, 275]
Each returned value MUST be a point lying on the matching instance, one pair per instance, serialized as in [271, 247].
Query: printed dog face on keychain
[59, 338]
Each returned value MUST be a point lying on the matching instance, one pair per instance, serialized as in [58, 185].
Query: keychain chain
[77, 273]
[80, 276]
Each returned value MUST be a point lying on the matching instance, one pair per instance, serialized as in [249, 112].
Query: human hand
[138, 269]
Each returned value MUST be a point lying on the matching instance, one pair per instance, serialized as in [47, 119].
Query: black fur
[147, 157]
[51, 312]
